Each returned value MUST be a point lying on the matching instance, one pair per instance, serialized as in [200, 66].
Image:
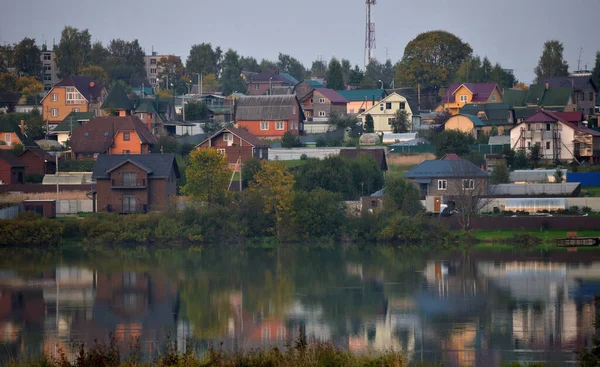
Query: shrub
[586, 210]
[525, 240]
[34, 178]
[29, 230]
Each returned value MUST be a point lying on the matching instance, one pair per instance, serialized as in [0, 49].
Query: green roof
[146, 106]
[117, 99]
[362, 94]
[476, 121]
[514, 97]
[558, 96]
[496, 113]
[7, 126]
[289, 78]
[314, 83]
[535, 95]
[73, 120]
[525, 112]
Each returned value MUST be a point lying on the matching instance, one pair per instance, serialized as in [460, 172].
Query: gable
[463, 90]
[394, 97]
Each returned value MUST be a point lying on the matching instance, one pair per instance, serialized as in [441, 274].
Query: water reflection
[480, 310]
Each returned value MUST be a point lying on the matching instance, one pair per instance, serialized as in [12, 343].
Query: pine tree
[335, 76]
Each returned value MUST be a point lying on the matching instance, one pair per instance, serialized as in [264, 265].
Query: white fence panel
[74, 206]
[283, 154]
[11, 211]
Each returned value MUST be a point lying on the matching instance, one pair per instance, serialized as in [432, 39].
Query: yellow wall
[381, 117]
[60, 104]
[459, 122]
[454, 106]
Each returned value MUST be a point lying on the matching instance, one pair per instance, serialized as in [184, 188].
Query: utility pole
[57, 176]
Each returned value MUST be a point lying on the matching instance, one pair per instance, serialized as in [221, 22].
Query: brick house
[265, 82]
[38, 162]
[585, 92]
[306, 86]
[12, 169]
[12, 134]
[128, 183]
[269, 117]
[111, 135]
[236, 144]
[320, 103]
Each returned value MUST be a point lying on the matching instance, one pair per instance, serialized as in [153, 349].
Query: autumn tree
[335, 77]
[73, 51]
[369, 124]
[97, 73]
[207, 176]
[274, 183]
[290, 65]
[231, 79]
[210, 84]
[203, 59]
[431, 59]
[401, 123]
[551, 62]
[29, 87]
[8, 83]
[171, 68]
[28, 58]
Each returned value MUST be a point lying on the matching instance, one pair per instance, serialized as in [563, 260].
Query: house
[73, 94]
[128, 183]
[500, 115]
[117, 102]
[558, 138]
[468, 124]
[155, 112]
[377, 153]
[111, 135]
[320, 103]
[526, 103]
[306, 86]
[11, 134]
[38, 162]
[384, 112]
[585, 92]
[443, 180]
[359, 100]
[238, 145]
[73, 120]
[458, 95]
[12, 169]
[264, 82]
[269, 117]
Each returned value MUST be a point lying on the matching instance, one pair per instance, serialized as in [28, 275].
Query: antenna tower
[579, 60]
[369, 34]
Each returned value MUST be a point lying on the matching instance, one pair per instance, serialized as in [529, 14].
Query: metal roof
[256, 108]
[445, 168]
[159, 165]
[551, 189]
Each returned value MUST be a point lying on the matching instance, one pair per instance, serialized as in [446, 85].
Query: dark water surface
[477, 310]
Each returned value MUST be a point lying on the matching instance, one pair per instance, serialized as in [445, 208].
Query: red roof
[332, 95]
[550, 116]
[573, 117]
[481, 91]
[451, 157]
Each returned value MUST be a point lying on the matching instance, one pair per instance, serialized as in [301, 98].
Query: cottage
[306, 86]
[320, 103]
[585, 92]
[264, 82]
[12, 169]
[127, 183]
[111, 135]
[11, 134]
[38, 162]
[360, 100]
[467, 124]
[527, 103]
[500, 115]
[458, 95]
[238, 145]
[73, 120]
[270, 117]
[384, 113]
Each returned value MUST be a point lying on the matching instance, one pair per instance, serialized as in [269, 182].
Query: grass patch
[590, 191]
[294, 163]
[399, 169]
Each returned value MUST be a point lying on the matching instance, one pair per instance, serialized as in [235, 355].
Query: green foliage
[596, 70]
[380, 73]
[196, 111]
[230, 79]
[400, 123]
[535, 155]
[34, 125]
[73, 51]
[290, 65]
[516, 159]
[552, 63]
[27, 58]
[28, 230]
[558, 176]
[369, 124]
[98, 54]
[355, 77]
[402, 196]
[204, 59]
[290, 141]
[453, 141]
[343, 121]
[318, 69]
[249, 170]
[319, 214]
[125, 62]
[34, 178]
[79, 165]
[500, 175]
[335, 76]
[207, 176]
[524, 240]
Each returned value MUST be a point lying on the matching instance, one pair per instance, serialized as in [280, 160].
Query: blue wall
[586, 179]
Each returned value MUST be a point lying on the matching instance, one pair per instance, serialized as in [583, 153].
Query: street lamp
[381, 83]
[271, 86]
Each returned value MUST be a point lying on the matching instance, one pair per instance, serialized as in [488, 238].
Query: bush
[76, 165]
[29, 230]
[290, 141]
[34, 178]
[586, 210]
[525, 240]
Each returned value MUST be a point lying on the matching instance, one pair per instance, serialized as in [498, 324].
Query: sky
[511, 32]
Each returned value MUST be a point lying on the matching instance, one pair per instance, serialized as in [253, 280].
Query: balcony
[128, 184]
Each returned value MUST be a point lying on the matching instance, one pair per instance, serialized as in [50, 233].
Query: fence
[586, 179]
[11, 211]
[409, 149]
[296, 153]
[74, 206]
[574, 223]
[489, 149]
[38, 188]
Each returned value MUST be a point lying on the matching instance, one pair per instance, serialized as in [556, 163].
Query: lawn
[547, 235]
[399, 169]
[591, 190]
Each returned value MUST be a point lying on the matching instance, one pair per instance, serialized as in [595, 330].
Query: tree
[559, 177]
[207, 176]
[343, 121]
[126, 62]
[366, 175]
[535, 155]
[400, 123]
[290, 141]
[355, 77]
[319, 214]
[171, 68]
[520, 161]
[73, 51]
[346, 69]
[596, 70]
[551, 62]
[210, 84]
[431, 59]
[29, 87]
[267, 65]
[453, 141]
[204, 60]
[231, 79]
[27, 58]
[274, 183]
[196, 111]
[97, 73]
[8, 83]
[500, 175]
[401, 196]
[380, 72]
[98, 54]
[335, 77]
[249, 64]
[318, 69]
[486, 69]
[367, 83]
[290, 65]
[249, 169]
[34, 125]
[369, 124]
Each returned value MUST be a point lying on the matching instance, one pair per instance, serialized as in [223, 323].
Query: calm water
[480, 310]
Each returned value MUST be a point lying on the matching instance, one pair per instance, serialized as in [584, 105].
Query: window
[442, 184]
[547, 127]
[54, 112]
[260, 153]
[321, 100]
[7, 138]
[87, 133]
[294, 110]
[47, 78]
[228, 137]
[264, 125]
[152, 61]
[388, 105]
[402, 105]
[374, 203]
[47, 68]
[126, 136]
[464, 98]
[468, 184]
[322, 114]
[74, 97]
[152, 80]
[528, 145]
[129, 178]
[547, 145]
[493, 98]
[152, 71]
[129, 203]
[528, 127]
[106, 133]
[126, 152]
[129, 279]
[312, 100]
[381, 107]
[47, 57]
[279, 125]
[54, 97]
[75, 110]
[255, 86]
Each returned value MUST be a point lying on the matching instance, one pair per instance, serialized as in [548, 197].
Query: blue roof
[314, 83]
[445, 168]
[290, 78]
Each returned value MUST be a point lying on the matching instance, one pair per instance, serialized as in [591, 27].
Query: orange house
[111, 135]
[269, 117]
[11, 135]
[73, 94]
[458, 95]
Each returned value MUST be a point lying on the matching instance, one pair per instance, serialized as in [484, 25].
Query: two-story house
[360, 100]
[320, 103]
[268, 82]
[558, 137]
[306, 86]
[384, 112]
[500, 115]
[270, 117]
[127, 183]
[73, 94]
[458, 95]
[526, 103]
[585, 92]
[238, 145]
[111, 135]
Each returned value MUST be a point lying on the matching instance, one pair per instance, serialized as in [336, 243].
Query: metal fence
[11, 211]
[407, 149]
[489, 149]
[296, 153]
[74, 206]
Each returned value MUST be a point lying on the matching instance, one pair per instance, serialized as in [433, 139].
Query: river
[478, 310]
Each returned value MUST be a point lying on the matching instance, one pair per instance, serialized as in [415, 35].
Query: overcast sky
[511, 32]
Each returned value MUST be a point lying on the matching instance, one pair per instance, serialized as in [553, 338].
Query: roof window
[87, 133]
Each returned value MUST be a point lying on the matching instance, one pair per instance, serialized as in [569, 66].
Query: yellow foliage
[97, 73]
[164, 93]
[210, 83]
[521, 86]
[29, 86]
[207, 175]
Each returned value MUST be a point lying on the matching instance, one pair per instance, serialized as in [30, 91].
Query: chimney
[23, 127]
